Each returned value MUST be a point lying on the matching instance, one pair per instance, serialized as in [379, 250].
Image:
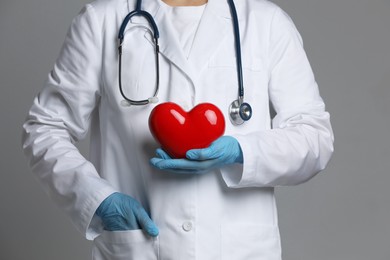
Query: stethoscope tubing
[156, 35]
[237, 48]
[239, 110]
[145, 101]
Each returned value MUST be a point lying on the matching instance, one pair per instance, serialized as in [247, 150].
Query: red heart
[178, 131]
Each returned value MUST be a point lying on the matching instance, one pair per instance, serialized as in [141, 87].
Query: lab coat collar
[212, 29]
[169, 45]
[215, 22]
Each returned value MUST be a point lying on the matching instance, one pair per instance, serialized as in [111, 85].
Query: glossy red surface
[178, 131]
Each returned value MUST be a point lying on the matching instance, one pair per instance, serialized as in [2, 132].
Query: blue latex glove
[121, 212]
[223, 151]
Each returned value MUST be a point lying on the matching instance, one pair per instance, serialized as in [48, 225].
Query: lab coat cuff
[241, 175]
[90, 223]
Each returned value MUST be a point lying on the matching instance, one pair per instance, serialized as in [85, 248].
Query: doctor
[130, 197]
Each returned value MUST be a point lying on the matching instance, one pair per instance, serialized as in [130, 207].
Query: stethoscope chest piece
[239, 112]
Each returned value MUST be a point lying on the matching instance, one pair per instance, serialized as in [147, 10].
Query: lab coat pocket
[129, 245]
[251, 242]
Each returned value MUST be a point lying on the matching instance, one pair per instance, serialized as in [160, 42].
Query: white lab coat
[227, 214]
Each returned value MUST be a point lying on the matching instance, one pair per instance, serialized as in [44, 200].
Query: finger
[154, 162]
[167, 164]
[162, 154]
[214, 151]
[177, 164]
[130, 219]
[118, 224]
[124, 220]
[183, 165]
[208, 153]
[145, 222]
[195, 154]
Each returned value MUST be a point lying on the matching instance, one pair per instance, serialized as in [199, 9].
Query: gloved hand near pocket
[122, 212]
[224, 151]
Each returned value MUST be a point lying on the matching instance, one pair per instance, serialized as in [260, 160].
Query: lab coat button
[187, 226]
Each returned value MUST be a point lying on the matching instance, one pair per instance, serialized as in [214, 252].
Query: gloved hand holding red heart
[178, 131]
[224, 151]
[194, 138]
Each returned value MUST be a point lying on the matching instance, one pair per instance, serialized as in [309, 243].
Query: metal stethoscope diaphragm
[239, 112]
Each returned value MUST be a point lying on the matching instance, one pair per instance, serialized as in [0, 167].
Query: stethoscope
[239, 111]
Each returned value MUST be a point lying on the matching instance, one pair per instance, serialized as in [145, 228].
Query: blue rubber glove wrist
[122, 212]
[224, 151]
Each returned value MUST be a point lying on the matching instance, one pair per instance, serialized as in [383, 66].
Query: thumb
[146, 223]
[202, 154]
[214, 151]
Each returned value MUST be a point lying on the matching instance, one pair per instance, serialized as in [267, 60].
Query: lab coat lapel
[215, 24]
[212, 29]
[169, 43]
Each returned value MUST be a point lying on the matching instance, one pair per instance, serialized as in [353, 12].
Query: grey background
[341, 214]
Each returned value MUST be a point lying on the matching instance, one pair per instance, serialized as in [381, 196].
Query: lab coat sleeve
[59, 117]
[300, 142]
